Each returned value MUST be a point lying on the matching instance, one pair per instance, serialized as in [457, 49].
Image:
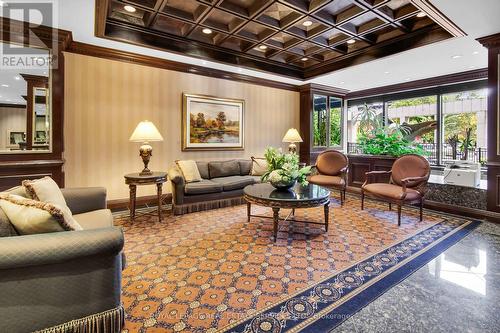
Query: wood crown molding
[14, 106]
[474, 75]
[437, 16]
[319, 88]
[490, 42]
[140, 59]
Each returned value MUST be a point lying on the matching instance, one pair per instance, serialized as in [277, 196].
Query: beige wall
[11, 119]
[105, 100]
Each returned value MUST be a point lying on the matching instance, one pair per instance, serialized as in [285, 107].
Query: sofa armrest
[59, 247]
[85, 199]
[178, 183]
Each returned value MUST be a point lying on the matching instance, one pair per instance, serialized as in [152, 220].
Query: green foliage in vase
[284, 167]
[389, 143]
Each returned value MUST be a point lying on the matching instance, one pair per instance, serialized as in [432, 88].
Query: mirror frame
[51, 162]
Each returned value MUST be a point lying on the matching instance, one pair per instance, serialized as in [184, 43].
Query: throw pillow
[189, 170]
[33, 217]
[6, 228]
[46, 190]
[259, 166]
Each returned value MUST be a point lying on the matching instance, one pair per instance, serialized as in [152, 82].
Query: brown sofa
[222, 185]
[63, 281]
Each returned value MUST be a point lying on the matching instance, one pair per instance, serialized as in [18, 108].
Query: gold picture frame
[212, 123]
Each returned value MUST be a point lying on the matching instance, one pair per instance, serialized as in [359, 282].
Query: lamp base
[292, 148]
[146, 151]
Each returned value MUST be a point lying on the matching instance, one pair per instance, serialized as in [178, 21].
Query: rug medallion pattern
[213, 271]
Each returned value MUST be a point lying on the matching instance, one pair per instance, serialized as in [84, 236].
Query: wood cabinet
[359, 165]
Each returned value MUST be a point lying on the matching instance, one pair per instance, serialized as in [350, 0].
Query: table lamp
[292, 136]
[145, 132]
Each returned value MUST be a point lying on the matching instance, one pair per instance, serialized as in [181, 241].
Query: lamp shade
[146, 131]
[292, 135]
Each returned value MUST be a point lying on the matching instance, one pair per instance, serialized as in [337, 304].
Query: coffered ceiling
[296, 38]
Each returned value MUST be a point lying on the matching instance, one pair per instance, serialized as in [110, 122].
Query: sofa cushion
[234, 182]
[259, 166]
[203, 187]
[35, 217]
[101, 218]
[203, 169]
[6, 228]
[245, 167]
[46, 190]
[224, 169]
[189, 170]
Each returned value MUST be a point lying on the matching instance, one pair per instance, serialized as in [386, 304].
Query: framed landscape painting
[211, 123]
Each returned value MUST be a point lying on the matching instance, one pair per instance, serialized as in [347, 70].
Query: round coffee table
[297, 197]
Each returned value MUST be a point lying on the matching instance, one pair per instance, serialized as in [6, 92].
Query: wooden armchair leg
[421, 209]
[362, 200]
[390, 206]
[399, 214]
[343, 193]
[341, 198]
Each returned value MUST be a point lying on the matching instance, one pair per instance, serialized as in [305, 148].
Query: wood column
[32, 82]
[493, 164]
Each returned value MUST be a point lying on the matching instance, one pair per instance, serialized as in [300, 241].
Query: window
[464, 126]
[361, 120]
[327, 121]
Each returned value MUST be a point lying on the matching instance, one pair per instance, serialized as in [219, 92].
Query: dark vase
[283, 186]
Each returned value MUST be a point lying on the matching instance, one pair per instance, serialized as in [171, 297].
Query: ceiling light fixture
[387, 72]
[456, 56]
[475, 52]
[5, 85]
[130, 9]
[351, 41]
[207, 31]
[307, 23]
[17, 78]
[305, 59]
[262, 47]
[421, 14]
[342, 82]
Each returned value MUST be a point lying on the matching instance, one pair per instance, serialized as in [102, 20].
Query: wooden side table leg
[276, 217]
[327, 215]
[249, 211]
[158, 193]
[133, 191]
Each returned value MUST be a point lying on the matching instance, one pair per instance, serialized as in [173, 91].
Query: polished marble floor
[459, 291]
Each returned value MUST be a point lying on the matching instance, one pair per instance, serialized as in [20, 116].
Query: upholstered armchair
[407, 185]
[331, 171]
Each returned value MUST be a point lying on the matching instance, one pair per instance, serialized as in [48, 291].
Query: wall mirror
[25, 108]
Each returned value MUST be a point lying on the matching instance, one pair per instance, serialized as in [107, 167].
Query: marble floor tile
[459, 291]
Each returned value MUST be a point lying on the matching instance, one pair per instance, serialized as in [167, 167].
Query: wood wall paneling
[493, 45]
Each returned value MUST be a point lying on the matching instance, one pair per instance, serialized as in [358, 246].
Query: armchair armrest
[59, 247]
[85, 199]
[414, 179]
[374, 173]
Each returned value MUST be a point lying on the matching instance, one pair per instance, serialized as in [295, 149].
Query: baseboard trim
[140, 201]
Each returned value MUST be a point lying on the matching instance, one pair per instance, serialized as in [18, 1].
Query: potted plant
[283, 170]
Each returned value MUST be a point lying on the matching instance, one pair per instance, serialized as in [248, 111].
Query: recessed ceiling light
[207, 31]
[130, 9]
[475, 52]
[17, 78]
[421, 14]
[351, 41]
[305, 59]
[5, 85]
[387, 72]
[456, 56]
[262, 47]
[307, 23]
[407, 79]
[204, 62]
[342, 82]
[472, 67]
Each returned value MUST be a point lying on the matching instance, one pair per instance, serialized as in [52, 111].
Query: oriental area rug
[213, 271]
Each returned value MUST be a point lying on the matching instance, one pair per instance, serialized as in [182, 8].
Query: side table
[134, 179]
